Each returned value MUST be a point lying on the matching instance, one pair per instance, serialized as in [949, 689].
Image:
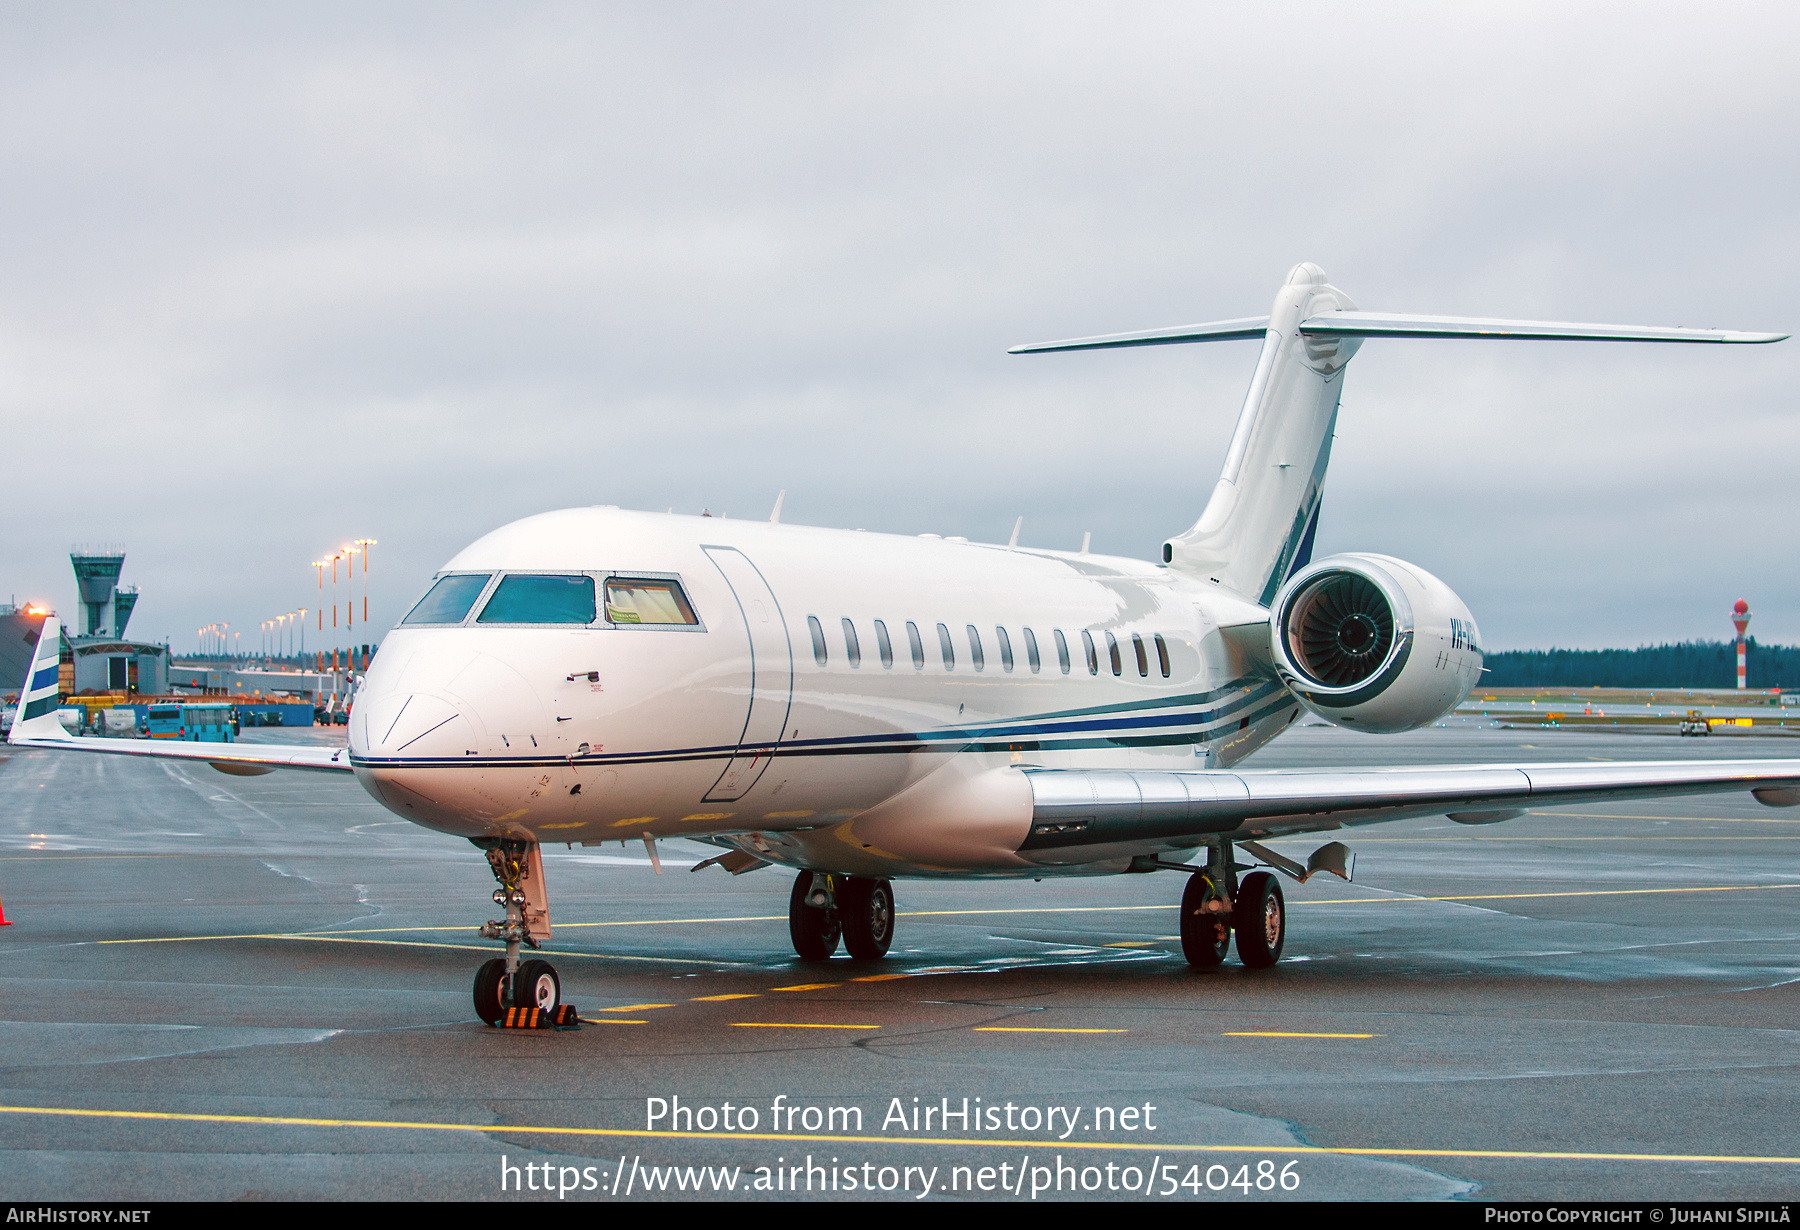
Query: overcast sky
[276, 278]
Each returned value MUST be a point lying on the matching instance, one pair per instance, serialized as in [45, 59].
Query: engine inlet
[1340, 629]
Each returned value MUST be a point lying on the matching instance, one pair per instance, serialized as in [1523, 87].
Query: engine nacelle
[1372, 643]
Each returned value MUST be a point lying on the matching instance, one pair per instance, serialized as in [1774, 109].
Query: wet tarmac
[222, 988]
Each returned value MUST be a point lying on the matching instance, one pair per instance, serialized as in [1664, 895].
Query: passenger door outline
[771, 673]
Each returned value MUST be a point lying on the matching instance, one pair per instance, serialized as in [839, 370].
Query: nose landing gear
[505, 988]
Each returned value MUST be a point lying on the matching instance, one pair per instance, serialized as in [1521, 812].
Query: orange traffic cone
[3, 922]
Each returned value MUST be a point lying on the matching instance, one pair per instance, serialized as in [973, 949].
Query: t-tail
[38, 699]
[1258, 527]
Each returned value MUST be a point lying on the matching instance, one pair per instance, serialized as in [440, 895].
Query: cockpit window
[538, 599]
[448, 601]
[633, 601]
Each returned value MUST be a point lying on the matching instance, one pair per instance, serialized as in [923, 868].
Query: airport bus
[204, 723]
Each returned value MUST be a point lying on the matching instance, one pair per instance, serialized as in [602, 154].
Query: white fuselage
[732, 729]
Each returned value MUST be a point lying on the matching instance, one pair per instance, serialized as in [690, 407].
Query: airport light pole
[335, 557]
[350, 554]
[320, 565]
[365, 544]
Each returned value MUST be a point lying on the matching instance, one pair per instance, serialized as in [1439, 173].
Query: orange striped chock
[561, 1017]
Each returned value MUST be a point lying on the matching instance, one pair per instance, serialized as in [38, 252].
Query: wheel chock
[563, 1016]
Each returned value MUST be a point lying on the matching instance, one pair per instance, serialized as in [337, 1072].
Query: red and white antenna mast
[1740, 617]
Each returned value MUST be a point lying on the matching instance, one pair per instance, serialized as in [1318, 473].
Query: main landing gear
[824, 907]
[506, 988]
[1217, 904]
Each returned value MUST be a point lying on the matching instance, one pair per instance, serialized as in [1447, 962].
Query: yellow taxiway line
[1021, 1029]
[793, 1025]
[1257, 1033]
[161, 1116]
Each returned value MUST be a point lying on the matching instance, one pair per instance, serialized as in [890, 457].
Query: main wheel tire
[866, 909]
[1205, 935]
[490, 980]
[537, 986]
[815, 932]
[1260, 920]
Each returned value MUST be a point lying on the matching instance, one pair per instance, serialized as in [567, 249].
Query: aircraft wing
[1084, 807]
[238, 759]
[36, 725]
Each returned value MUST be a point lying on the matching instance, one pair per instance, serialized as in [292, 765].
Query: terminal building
[19, 630]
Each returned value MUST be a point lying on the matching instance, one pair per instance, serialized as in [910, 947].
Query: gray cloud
[271, 280]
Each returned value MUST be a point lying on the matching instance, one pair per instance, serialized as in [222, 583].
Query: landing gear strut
[504, 983]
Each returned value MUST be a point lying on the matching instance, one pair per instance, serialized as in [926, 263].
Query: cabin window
[636, 600]
[1137, 645]
[946, 648]
[1162, 655]
[852, 649]
[1062, 651]
[915, 643]
[818, 638]
[524, 598]
[886, 647]
[1093, 659]
[448, 601]
[1006, 658]
[975, 655]
[1031, 653]
[1112, 653]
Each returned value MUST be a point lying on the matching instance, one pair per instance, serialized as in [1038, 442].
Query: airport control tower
[105, 607]
[105, 662]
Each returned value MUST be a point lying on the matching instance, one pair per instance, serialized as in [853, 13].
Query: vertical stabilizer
[38, 699]
[1259, 524]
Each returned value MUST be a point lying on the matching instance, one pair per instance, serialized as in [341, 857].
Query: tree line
[1689, 664]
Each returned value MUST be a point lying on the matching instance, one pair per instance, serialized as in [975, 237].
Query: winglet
[38, 700]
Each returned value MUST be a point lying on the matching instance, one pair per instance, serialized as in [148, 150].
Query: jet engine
[1372, 643]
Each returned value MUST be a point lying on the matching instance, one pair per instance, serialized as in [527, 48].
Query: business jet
[861, 708]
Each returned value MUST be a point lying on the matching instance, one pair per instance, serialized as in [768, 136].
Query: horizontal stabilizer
[1393, 324]
[1216, 331]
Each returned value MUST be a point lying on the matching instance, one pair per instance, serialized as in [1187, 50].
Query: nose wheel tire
[815, 931]
[490, 981]
[1205, 935]
[1260, 920]
[537, 986]
[866, 910]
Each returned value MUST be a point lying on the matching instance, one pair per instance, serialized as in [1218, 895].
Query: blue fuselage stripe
[1099, 733]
